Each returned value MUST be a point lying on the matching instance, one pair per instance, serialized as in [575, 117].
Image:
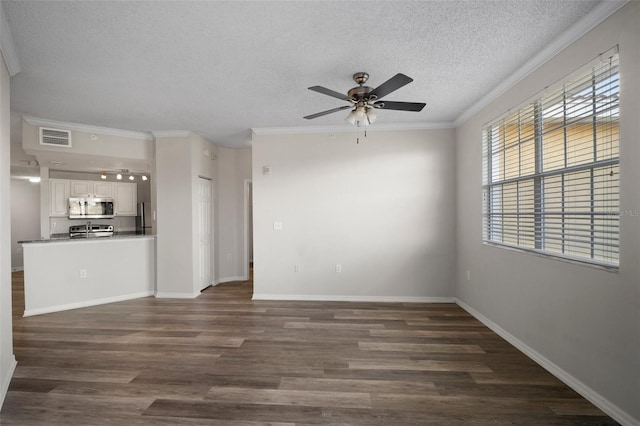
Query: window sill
[578, 262]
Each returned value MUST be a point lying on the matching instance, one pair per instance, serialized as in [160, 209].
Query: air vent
[55, 137]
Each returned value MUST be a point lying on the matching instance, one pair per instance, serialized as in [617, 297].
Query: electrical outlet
[296, 268]
[83, 273]
[277, 225]
[229, 257]
[338, 267]
[468, 275]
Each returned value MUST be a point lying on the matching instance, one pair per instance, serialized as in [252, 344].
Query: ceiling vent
[55, 137]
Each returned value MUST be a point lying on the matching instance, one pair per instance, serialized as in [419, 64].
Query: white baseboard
[17, 268]
[592, 396]
[86, 304]
[379, 299]
[165, 295]
[7, 379]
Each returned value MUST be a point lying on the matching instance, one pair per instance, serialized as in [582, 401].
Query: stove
[90, 230]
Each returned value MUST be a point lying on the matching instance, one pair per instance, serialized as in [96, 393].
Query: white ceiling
[221, 68]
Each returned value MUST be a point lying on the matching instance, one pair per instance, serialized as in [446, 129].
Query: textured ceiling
[221, 68]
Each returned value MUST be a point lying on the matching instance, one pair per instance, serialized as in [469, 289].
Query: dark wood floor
[222, 359]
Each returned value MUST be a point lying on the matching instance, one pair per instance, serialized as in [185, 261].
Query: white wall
[227, 216]
[25, 216]
[582, 322]
[129, 150]
[243, 174]
[22, 164]
[384, 209]
[63, 174]
[7, 359]
[174, 217]
[204, 165]
[234, 166]
[117, 269]
[180, 162]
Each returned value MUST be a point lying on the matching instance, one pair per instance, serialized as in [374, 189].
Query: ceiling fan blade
[391, 85]
[401, 106]
[329, 92]
[320, 114]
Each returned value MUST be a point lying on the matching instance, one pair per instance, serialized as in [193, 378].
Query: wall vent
[55, 137]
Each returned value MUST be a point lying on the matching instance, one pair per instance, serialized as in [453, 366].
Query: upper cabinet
[125, 199]
[103, 189]
[87, 188]
[58, 197]
[124, 194]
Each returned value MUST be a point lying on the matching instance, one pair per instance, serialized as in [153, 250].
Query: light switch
[277, 225]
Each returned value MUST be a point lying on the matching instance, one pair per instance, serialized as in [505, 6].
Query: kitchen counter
[61, 273]
[57, 238]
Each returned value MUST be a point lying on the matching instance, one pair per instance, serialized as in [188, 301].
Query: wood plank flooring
[223, 359]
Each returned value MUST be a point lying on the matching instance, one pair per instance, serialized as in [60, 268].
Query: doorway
[248, 228]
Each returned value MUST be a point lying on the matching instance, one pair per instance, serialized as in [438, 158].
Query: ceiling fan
[364, 100]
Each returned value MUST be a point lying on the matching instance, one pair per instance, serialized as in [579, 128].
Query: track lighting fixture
[123, 174]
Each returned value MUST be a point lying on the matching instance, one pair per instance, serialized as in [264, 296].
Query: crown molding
[171, 134]
[34, 121]
[350, 128]
[7, 46]
[598, 14]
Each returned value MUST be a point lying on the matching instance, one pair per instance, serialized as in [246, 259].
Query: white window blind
[551, 170]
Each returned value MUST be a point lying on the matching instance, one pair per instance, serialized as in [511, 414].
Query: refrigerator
[144, 219]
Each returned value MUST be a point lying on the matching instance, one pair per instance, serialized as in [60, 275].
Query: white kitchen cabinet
[87, 188]
[125, 199]
[124, 194]
[103, 189]
[81, 188]
[59, 190]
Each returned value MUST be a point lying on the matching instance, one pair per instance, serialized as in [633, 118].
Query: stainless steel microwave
[90, 208]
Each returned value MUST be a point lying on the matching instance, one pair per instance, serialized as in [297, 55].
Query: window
[551, 170]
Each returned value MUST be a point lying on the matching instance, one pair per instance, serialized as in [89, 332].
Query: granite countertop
[56, 238]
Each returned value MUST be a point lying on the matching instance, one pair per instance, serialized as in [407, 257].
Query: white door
[204, 232]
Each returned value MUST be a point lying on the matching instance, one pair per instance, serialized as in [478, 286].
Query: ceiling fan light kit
[365, 100]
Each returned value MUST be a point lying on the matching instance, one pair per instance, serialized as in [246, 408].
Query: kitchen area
[77, 228]
[96, 241]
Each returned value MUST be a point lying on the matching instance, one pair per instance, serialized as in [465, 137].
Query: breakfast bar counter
[69, 273]
[65, 237]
